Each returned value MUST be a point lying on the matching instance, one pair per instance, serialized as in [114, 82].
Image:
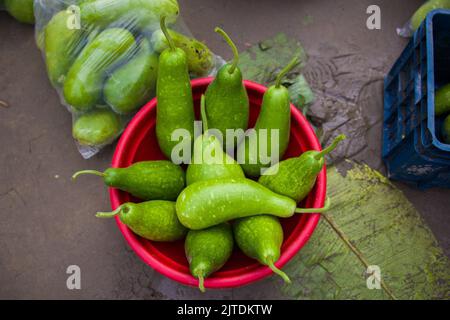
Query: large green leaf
[371, 223]
[263, 61]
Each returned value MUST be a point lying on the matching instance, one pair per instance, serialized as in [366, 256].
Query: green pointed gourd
[227, 105]
[211, 202]
[260, 238]
[209, 161]
[275, 114]
[134, 83]
[175, 109]
[96, 128]
[208, 250]
[146, 180]
[84, 82]
[295, 177]
[62, 45]
[200, 58]
[153, 220]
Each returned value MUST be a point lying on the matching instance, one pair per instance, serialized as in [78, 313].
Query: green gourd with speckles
[208, 250]
[211, 202]
[175, 109]
[260, 238]
[295, 177]
[153, 220]
[275, 114]
[146, 180]
[200, 58]
[84, 82]
[227, 105]
[96, 127]
[134, 83]
[209, 161]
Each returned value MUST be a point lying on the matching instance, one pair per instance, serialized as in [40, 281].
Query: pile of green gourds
[214, 204]
[442, 109]
[106, 67]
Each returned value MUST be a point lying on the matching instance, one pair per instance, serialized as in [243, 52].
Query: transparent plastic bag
[102, 58]
[413, 24]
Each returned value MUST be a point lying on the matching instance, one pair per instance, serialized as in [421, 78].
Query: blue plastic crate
[399, 87]
[434, 72]
[412, 149]
[416, 168]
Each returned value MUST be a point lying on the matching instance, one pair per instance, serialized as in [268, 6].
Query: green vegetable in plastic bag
[21, 10]
[134, 83]
[99, 52]
[97, 127]
[84, 81]
[62, 45]
[140, 13]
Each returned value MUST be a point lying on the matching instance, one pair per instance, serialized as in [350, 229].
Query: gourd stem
[203, 113]
[108, 214]
[166, 33]
[331, 147]
[95, 172]
[235, 61]
[278, 271]
[326, 207]
[201, 283]
[285, 70]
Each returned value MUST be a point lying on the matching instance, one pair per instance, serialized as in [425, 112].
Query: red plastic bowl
[138, 143]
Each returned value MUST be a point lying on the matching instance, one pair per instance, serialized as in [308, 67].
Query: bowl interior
[139, 143]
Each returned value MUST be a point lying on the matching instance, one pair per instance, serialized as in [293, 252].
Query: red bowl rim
[229, 281]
